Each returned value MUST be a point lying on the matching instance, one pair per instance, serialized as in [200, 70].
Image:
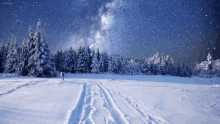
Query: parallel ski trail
[144, 114]
[88, 108]
[115, 111]
[20, 86]
[74, 115]
[96, 105]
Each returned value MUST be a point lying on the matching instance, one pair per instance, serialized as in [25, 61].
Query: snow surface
[105, 98]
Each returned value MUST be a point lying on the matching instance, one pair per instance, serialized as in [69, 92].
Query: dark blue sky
[186, 30]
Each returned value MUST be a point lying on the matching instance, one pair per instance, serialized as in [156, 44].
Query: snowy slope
[108, 98]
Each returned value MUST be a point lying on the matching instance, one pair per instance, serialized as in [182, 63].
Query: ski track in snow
[74, 115]
[96, 101]
[21, 86]
[84, 110]
[140, 110]
[117, 114]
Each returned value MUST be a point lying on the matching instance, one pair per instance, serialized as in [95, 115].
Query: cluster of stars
[163, 25]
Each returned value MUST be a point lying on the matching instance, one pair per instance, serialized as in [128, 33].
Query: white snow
[105, 98]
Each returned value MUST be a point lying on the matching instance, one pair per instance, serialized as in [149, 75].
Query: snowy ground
[109, 99]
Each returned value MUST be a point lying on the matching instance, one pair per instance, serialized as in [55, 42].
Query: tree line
[34, 58]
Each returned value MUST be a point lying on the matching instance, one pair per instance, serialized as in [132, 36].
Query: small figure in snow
[62, 74]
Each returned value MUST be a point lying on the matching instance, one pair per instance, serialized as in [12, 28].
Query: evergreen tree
[103, 62]
[81, 60]
[56, 60]
[87, 59]
[145, 67]
[53, 60]
[124, 66]
[70, 60]
[105, 59]
[5, 54]
[205, 68]
[102, 66]
[65, 59]
[164, 66]
[132, 68]
[39, 62]
[98, 54]
[188, 71]
[74, 68]
[110, 65]
[95, 63]
[173, 70]
[24, 58]
[11, 65]
[119, 65]
[30, 41]
[2, 47]
[183, 71]
[31, 48]
[60, 61]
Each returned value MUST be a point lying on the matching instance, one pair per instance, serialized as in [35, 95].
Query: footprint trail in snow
[96, 105]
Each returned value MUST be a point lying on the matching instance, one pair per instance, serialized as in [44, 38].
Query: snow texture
[108, 98]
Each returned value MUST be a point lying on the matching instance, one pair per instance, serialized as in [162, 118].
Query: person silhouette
[62, 74]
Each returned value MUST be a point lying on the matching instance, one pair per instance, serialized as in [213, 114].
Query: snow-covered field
[109, 98]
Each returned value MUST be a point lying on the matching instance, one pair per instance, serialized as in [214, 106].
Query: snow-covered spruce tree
[95, 63]
[204, 69]
[75, 60]
[70, 60]
[31, 46]
[153, 64]
[209, 66]
[167, 66]
[87, 60]
[124, 64]
[132, 68]
[90, 59]
[98, 54]
[102, 67]
[53, 58]
[2, 47]
[163, 66]
[39, 62]
[179, 70]
[183, 71]
[156, 63]
[168, 63]
[58, 60]
[119, 65]
[145, 67]
[188, 72]
[23, 69]
[105, 59]
[81, 60]
[61, 57]
[12, 62]
[110, 65]
[30, 41]
[216, 68]
[173, 70]
[103, 62]
[113, 65]
[65, 58]
[150, 65]
[4, 56]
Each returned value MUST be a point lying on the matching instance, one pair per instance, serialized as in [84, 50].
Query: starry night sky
[185, 29]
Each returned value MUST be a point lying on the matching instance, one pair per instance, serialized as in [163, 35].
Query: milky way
[186, 30]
